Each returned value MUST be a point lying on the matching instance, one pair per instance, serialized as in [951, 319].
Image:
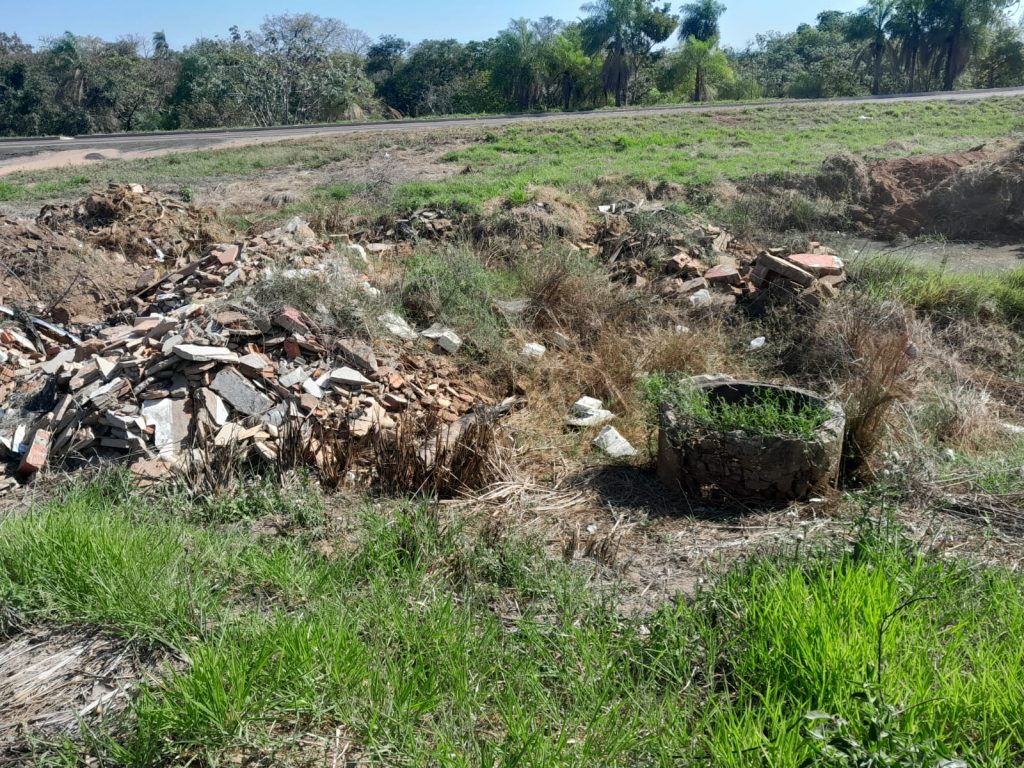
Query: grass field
[423, 645]
[690, 149]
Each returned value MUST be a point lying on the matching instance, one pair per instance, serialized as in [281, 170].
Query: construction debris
[533, 351]
[588, 412]
[176, 366]
[613, 444]
[709, 268]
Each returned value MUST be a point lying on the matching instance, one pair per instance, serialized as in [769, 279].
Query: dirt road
[51, 152]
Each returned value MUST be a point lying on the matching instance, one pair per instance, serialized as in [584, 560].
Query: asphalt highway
[99, 145]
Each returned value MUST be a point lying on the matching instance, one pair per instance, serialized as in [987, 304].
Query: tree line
[298, 68]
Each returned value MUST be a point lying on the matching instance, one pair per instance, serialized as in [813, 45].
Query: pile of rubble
[148, 390]
[758, 281]
[130, 219]
[176, 367]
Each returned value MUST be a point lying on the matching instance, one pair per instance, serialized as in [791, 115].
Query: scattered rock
[533, 351]
[397, 326]
[701, 299]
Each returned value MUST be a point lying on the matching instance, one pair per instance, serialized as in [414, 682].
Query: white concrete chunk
[612, 443]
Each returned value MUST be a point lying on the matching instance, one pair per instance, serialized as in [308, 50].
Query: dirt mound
[974, 195]
[48, 273]
[131, 220]
[547, 213]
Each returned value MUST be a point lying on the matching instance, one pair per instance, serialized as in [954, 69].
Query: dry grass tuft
[958, 415]
[864, 351]
[436, 459]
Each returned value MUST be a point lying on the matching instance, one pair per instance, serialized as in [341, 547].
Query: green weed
[418, 641]
[947, 296]
[771, 414]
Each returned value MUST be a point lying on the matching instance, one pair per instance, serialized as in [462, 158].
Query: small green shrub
[452, 286]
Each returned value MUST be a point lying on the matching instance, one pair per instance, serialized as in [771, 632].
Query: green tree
[517, 63]
[1001, 64]
[957, 32]
[626, 30]
[698, 69]
[698, 27]
[870, 26]
[575, 76]
[700, 20]
[384, 56]
[908, 30]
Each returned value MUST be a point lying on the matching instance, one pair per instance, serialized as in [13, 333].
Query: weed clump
[772, 414]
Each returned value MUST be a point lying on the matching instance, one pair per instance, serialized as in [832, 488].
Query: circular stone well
[747, 467]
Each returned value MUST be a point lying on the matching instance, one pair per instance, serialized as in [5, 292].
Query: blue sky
[185, 20]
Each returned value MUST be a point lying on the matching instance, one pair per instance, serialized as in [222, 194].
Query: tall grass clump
[451, 285]
[946, 297]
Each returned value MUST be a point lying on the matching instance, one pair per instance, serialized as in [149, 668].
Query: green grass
[769, 416]
[998, 470]
[450, 285]
[946, 296]
[687, 148]
[424, 645]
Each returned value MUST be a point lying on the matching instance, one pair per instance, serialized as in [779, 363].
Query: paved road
[106, 146]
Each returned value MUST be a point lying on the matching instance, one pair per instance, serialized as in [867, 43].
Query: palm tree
[66, 59]
[908, 29]
[698, 28]
[700, 20]
[517, 63]
[161, 50]
[870, 25]
[626, 30]
[958, 28]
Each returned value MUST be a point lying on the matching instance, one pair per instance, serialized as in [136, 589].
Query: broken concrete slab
[200, 354]
[215, 407]
[360, 354]
[348, 377]
[293, 377]
[533, 351]
[240, 394]
[609, 441]
[588, 412]
[170, 423]
[312, 388]
[700, 299]
[397, 326]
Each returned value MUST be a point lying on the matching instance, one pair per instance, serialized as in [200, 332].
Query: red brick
[723, 274]
[37, 453]
[292, 320]
[818, 264]
[226, 254]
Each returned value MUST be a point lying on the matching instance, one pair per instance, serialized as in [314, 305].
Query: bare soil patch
[974, 195]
